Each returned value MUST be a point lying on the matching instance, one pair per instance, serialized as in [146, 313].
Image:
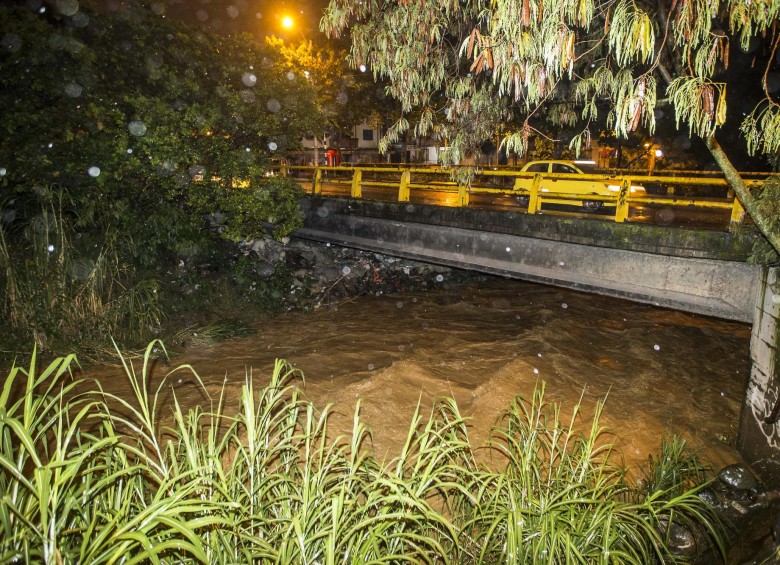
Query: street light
[287, 22]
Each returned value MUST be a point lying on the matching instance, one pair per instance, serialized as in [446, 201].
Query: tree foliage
[153, 139]
[134, 114]
[506, 61]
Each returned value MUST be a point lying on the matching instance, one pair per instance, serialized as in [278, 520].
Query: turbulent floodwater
[483, 344]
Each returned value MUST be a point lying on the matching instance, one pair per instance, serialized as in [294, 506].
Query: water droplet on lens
[249, 79]
[346, 270]
[290, 75]
[11, 42]
[439, 278]
[67, 7]
[657, 347]
[232, 11]
[564, 305]
[136, 128]
[272, 146]
[56, 41]
[273, 105]
[94, 171]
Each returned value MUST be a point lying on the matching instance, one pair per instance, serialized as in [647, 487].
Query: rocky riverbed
[327, 274]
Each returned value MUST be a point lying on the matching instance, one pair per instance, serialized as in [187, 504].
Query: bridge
[703, 271]
[548, 238]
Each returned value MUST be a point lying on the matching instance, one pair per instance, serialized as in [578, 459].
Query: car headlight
[634, 188]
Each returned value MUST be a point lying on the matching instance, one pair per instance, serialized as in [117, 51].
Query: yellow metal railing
[417, 181]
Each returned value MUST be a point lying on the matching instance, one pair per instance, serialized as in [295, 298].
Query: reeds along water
[265, 480]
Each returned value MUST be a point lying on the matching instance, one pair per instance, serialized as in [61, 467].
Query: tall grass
[94, 477]
[62, 287]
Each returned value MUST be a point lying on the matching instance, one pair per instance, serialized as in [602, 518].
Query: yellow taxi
[565, 182]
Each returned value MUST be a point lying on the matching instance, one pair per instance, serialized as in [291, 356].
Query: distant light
[287, 22]
[585, 162]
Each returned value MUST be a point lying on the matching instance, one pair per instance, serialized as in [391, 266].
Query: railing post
[737, 213]
[403, 189]
[463, 195]
[621, 210]
[316, 185]
[283, 171]
[357, 178]
[534, 202]
[518, 186]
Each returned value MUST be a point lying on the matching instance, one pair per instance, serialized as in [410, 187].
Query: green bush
[93, 477]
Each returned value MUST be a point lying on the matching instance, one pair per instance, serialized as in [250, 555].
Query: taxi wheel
[523, 201]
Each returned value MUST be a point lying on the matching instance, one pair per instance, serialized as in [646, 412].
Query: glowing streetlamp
[287, 22]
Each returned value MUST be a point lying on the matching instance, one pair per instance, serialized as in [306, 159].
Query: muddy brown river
[483, 344]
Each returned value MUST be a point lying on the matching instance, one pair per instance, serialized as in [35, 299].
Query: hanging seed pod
[525, 12]
[708, 100]
[720, 111]
[635, 119]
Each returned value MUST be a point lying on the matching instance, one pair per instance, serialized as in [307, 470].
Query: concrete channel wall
[625, 262]
[759, 430]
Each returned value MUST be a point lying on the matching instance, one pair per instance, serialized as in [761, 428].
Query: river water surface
[485, 343]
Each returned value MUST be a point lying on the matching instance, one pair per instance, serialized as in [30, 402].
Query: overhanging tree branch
[747, 200]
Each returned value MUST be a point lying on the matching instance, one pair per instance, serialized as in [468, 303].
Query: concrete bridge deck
[703, 272]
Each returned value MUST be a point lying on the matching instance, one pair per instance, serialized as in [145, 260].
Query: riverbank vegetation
[89, 476]
[133, 163]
